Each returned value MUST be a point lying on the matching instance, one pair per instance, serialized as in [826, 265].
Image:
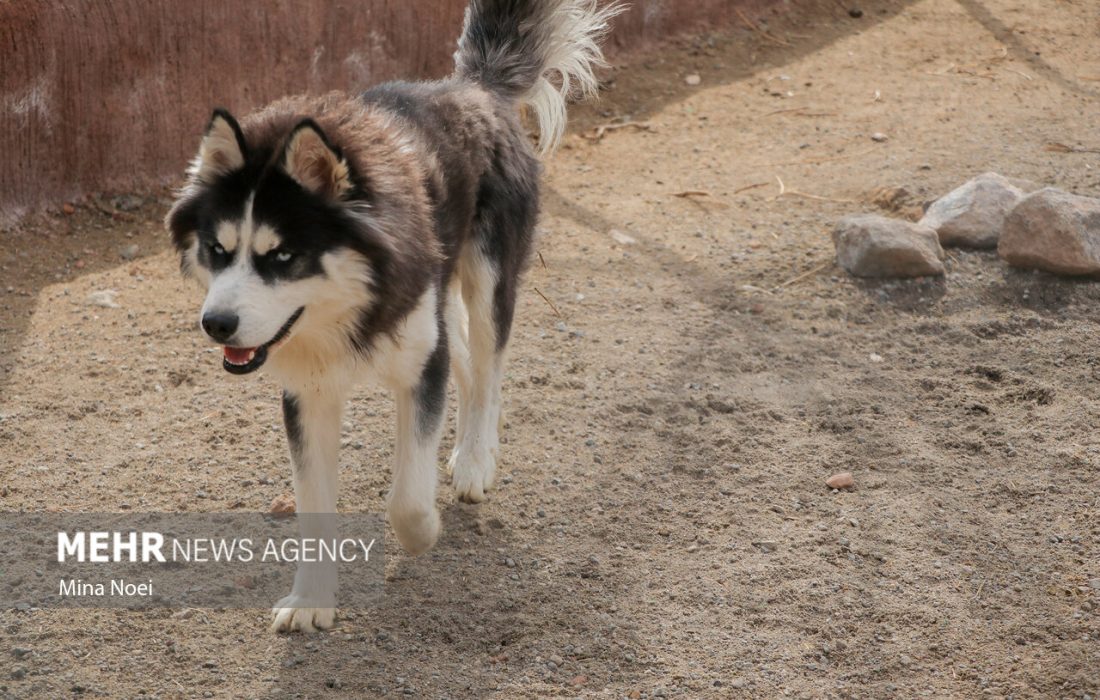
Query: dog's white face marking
[332, 297]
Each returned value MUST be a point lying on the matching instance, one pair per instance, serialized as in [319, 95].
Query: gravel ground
[698, 369]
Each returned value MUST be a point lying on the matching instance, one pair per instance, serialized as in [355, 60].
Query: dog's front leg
[412, 510]
[313, 420]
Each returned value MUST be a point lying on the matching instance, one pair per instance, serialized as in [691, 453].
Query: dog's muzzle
[246, 360]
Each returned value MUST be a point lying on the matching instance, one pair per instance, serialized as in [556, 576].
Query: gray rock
[128, 252]
[973, 215]
[868, 245]
[1054, 231]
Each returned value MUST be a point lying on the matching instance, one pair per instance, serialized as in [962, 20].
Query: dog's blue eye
[283, 256]
[217, 249]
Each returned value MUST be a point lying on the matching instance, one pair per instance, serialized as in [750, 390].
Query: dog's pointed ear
[222, 149]
[314, 164]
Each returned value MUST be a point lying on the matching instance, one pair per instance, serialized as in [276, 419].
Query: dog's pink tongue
[238, 356]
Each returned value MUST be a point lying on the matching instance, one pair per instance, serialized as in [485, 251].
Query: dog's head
[273, 231]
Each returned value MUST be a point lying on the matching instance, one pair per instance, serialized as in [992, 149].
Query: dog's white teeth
[251, 356]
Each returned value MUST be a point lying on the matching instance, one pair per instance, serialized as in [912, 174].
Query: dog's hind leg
[458, 342]
[313, 419]
[489, 268]
[490, 308]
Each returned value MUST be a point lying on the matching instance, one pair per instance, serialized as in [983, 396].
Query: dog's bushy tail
[537, 52]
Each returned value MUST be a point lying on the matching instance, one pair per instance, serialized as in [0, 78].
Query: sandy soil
[671, 420]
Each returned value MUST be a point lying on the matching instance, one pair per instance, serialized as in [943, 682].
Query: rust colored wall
[111, 94]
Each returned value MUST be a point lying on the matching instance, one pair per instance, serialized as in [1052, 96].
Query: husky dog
[382, 236]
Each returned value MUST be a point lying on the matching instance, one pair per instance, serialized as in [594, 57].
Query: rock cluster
[1031, 227]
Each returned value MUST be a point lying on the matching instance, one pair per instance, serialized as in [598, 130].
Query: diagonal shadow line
[1004, 34]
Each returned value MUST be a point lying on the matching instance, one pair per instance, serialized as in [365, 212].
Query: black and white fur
[382, 236]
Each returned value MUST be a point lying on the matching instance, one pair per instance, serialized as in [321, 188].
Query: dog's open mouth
[245, 360]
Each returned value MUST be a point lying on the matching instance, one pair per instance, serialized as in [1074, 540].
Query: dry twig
[746, 188]
[1056, 147]
[784, 192]
[598, 133]
[800, 112]
[807, 273]
[549, 303]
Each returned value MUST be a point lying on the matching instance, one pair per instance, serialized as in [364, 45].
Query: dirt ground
[674, 405]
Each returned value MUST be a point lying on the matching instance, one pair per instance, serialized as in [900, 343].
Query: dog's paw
[290, 615]
[417, 529]
[473, 472]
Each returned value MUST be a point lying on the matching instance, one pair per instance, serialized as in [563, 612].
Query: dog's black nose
[219, 325]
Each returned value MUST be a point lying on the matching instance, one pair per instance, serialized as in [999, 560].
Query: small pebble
[282, 505]
[879, 137]
[104, 298]
[622, 238]
[843, 480]
[693, 79]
